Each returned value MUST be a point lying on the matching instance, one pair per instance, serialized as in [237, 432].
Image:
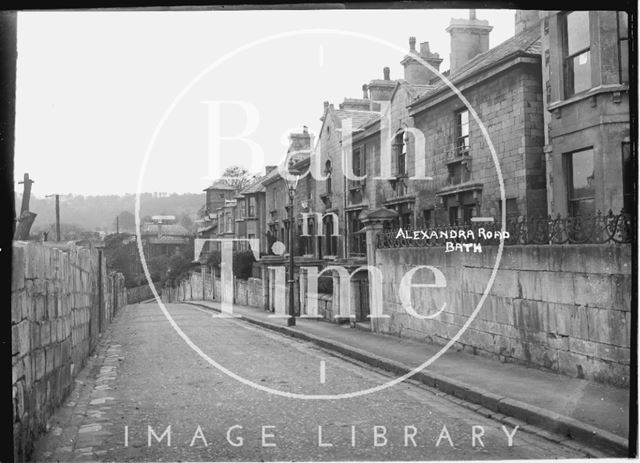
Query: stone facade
[562, 308]
[509, 104]
[594, 120]
[62, 298]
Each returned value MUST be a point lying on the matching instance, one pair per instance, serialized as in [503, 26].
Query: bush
[179, 267]
[325, 284]
[158, 267]
[243, 264]
[214, 259]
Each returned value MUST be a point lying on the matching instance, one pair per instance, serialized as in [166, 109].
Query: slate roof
[525, 43]
[254, 187]
[219, 185]
[417, 90]
[166, 229]
[358, 118]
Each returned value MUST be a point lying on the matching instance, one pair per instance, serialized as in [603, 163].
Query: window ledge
[459, 187]
[588, 94]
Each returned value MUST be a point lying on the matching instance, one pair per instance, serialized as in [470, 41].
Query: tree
[186, 222]
[119, 251]
[125, 223]
[178, 268]
[238, 177]
[158, 267]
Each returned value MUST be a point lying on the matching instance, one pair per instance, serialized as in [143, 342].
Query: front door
[363, 312]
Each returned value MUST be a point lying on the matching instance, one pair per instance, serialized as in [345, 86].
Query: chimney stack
[381, 89]
[469, 38]
[365, 92]
[414, 71]
[526, 18]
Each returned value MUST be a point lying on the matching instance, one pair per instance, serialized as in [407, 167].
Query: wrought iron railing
[595, 229]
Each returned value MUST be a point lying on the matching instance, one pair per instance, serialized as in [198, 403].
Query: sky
[106, 99]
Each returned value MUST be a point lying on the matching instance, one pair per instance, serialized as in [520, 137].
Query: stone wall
[62, 298]
[139, 294]
[248, 292]
[562, 308]
[245, 292]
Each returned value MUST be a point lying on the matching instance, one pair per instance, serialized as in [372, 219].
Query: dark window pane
[453, 215]
[455, 174]
[583, 207]
[401, 164]
[462, 132]
[577, 31]
[468, 213]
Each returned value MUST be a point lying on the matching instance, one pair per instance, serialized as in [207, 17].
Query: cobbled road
[144, 378]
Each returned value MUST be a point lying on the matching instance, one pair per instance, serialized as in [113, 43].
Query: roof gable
[526, 42]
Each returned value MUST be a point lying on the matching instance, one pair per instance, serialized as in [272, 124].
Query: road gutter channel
[573, 430]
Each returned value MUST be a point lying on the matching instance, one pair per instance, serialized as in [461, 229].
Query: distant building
[254, 211]
[277, 191]
[216, 195]
[162, 239]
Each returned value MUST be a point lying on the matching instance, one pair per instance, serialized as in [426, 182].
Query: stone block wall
[62, 298]
[245, 292]
[248, 292]
[139, 294]
[562, 308]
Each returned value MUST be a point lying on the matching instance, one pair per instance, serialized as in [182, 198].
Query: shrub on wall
[243, 264]
[325, 284]
[179, 267]
[214, 259]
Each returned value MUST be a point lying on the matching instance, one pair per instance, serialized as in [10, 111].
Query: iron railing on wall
[595, 229]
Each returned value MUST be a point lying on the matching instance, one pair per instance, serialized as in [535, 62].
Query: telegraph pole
[57, 215]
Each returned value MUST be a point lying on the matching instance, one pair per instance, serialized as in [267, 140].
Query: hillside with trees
[93, 213]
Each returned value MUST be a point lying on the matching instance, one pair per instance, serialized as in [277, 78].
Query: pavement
[147, 395]
[591, 413]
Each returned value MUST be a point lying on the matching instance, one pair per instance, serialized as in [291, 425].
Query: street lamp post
[291, 321]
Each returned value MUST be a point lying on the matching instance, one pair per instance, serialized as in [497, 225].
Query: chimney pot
[412, 44]
[365, 91]
[386, 72]
[472, 14]
[326, 105]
